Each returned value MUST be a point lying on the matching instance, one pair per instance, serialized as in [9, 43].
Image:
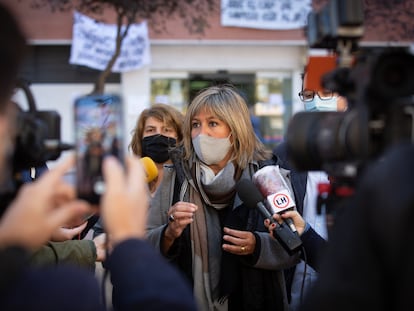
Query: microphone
[150, 168]
[274, 188]
[252, 197]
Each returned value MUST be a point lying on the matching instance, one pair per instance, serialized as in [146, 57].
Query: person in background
[148, 282]
[305, 184]
[197, 220]
[157, 130]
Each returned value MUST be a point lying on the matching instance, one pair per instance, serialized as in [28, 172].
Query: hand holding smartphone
[98, 133]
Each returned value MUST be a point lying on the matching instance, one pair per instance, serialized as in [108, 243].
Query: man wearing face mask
[313, 95]
[305, 184]
[322, 100]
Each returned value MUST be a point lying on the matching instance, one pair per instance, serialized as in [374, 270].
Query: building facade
[266, 65]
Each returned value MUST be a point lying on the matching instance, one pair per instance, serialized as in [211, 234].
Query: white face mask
[317, 104]
[211, 150]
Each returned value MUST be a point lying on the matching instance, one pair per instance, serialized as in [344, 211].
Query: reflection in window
[271, 107]
[173, 92]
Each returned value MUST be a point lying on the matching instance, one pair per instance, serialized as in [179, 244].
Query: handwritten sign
[265, 14]
[94, 43]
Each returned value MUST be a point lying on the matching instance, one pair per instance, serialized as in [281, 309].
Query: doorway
[245, 83]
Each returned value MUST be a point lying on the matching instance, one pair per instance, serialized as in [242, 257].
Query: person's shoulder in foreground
[372, 269]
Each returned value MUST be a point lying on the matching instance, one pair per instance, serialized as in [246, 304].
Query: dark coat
[143, 280]
[369, 258]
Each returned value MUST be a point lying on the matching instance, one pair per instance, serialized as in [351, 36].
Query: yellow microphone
[150, 168]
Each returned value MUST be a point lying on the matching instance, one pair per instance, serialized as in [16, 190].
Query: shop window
[172, 91]
[273, 107]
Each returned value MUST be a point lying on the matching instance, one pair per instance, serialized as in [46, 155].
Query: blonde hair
[162, 112]
[226, 103]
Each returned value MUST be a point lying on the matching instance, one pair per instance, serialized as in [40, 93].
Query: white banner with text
[94, 43]
[265, 14]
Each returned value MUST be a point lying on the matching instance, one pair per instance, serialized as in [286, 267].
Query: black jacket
[369, 258]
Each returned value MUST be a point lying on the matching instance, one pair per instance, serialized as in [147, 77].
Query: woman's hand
[297, 219]
[180, 215]
[241, 242]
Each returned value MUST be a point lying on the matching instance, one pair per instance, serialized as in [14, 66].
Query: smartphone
[98, 133]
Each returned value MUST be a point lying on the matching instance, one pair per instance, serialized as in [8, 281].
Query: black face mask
[156, 147]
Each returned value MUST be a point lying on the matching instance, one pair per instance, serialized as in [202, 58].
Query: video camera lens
[392, 75]
[316, 138]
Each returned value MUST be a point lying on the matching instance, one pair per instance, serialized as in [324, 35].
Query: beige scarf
[206, 238]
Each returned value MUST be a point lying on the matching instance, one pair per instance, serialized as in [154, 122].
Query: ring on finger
[243, 248]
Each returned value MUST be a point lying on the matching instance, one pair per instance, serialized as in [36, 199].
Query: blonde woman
[197, 220]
